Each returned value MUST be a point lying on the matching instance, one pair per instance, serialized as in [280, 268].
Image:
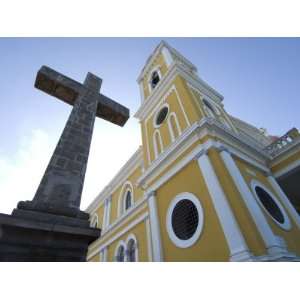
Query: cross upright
[61, 187]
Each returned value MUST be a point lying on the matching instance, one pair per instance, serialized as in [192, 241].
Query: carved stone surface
[52, 227]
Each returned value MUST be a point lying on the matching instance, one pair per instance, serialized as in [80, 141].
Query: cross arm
[112, 111]
[57, 85]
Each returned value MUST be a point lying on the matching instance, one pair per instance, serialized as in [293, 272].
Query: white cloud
[21, 172]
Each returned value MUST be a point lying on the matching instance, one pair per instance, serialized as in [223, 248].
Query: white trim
[167, 56]
[182, 107]
[287, 224]
[156, 134]
[287, 169]
[155, 228]
[127, 186]
[149, 241]
[269, 238]
[147, 143]
[98, 248]
[142, 94]
[234, 237]
[192, 240]
[131, 236]
[285, 200]
[171, 129]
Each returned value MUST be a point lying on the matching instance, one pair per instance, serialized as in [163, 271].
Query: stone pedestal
[29, 235]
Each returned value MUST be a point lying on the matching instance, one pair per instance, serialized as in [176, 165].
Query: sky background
[259, 79]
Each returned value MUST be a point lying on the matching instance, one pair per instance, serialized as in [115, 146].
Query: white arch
[127, 186]
[157, 137]
[171, 129]
[131, 236]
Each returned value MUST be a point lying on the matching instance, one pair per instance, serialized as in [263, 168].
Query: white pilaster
[155, 228]
[238, 248]
[167, 56]
[142, 91]
[287, 203]
[272, 242]
[106, 214]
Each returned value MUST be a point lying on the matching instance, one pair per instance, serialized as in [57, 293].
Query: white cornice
[174, 70]
[134, 161]
[206, 126]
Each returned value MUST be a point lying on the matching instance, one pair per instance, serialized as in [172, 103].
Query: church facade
[204, 185]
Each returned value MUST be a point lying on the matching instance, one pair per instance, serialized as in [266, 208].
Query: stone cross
[60, 189]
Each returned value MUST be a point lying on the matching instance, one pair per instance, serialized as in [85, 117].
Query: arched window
[120, 254]
[155, 78]
[174, 127]
[131, 250]
[158, 147]
[128, 200]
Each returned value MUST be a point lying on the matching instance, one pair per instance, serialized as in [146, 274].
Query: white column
[103, 254]
[106, 214]
[287, 203]
[272, 242]
[238, 248]
[155, 229]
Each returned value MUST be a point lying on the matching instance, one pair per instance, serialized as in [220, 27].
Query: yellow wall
[291, 236]
[211, 245]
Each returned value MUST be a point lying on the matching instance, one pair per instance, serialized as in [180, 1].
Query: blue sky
[259, 79]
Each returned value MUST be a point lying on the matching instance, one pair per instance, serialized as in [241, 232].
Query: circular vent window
[185, 220]
[161, 116]
[269, 204]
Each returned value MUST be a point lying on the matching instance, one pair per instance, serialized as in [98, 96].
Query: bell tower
[173, 98]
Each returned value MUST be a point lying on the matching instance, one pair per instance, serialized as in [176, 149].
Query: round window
[185, 220]
[161, 116]
[269, 204]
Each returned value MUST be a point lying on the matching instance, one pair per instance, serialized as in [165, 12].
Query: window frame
[287, 223]
[192, 240]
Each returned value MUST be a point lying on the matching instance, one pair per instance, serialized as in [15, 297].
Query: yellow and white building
[204, 185]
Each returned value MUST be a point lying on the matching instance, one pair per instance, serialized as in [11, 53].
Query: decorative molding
[287, 169]
[149, 241]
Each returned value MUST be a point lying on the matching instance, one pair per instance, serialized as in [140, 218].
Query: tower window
[154, 79]
[161, 116]
[184, 220]
[128, 200]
